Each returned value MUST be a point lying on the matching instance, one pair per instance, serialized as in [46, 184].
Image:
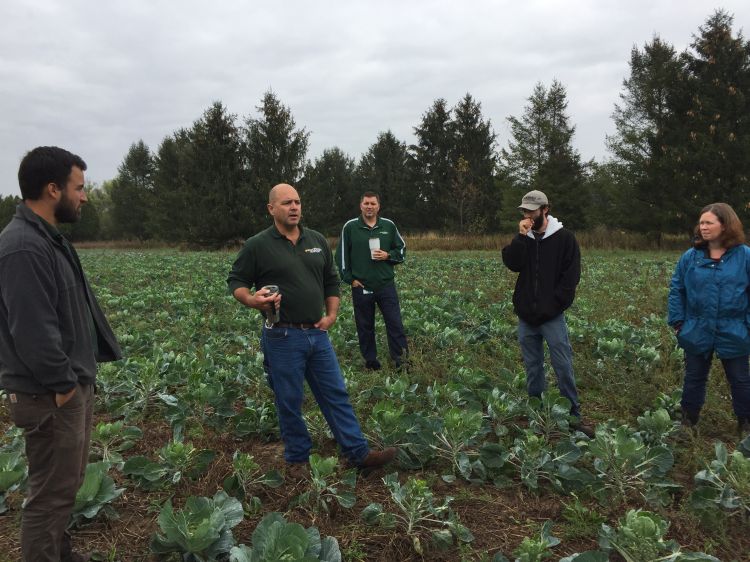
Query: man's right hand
[62, 399]
[524, 226]
[263, 299]
[356, 283]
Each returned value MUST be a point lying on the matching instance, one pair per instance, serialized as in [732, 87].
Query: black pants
[57, 446]
[364, 316]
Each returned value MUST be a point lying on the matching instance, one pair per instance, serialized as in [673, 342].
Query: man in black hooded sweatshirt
[548, 260]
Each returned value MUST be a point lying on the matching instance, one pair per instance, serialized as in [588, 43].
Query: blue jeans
[737, 371]
[293, 355]
[364, 316]
[555, 333]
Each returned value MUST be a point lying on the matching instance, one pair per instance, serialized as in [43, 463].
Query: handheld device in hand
[273, 316]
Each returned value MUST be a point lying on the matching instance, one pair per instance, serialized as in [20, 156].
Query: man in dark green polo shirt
[297, 347]
[369, 248]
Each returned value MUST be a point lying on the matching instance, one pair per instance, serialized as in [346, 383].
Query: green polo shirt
[304, 272]
[353, 253]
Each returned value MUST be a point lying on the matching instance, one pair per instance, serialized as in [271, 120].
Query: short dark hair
[44, 165]
[733, 234]
[369, 194]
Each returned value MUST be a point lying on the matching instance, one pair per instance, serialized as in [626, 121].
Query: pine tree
[384, 169]
[131, 193]
[432, 165]
[715, 147]
[541, 156]
[328, 193]
[275, 152]
[474, 162]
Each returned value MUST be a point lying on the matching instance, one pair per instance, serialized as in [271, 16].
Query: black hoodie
[549, 270]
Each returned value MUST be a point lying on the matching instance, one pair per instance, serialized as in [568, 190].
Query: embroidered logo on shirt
[313, 250]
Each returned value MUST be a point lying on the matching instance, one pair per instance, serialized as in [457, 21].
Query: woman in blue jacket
[709, 310]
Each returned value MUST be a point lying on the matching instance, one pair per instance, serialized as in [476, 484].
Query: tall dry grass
[599, 238]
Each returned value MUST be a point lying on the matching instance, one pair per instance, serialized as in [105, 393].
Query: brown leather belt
[298, 325]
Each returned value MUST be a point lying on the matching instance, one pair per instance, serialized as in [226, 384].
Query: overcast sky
[96, 76]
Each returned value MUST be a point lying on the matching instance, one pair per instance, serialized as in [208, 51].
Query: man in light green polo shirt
[369, 248]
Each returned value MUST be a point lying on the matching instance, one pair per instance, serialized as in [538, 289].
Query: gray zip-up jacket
[49, 316]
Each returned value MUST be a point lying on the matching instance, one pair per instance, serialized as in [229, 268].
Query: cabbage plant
[12, 474]
[418, 514]
[175, 460]
[247, 475]
[202, 531]
[274, 539]
[326, 487]
[534, 549]
[95, 495]
[724, 484]
[109, 440]
[640, 537]
[625, 466]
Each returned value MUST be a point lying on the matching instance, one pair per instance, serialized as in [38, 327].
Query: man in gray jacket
[52, 333]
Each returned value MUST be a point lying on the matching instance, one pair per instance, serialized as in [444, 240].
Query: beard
[65, 211]
[538, 222]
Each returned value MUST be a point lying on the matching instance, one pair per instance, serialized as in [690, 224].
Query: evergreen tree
[474, 162]
[101, 198]
[328, 193]
[275, 151]
[715, 147]
[643, 165]
[170, 203]
[131, 193]
[541, 156]
[214, 178]
[8, 209]
[384, 169]
[433, 167]
[200, 184]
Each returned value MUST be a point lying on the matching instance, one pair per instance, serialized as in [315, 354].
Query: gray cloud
[95, 77]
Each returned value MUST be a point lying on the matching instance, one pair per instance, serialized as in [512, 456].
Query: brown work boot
[376, 459]
[297, 471]
[579, 425]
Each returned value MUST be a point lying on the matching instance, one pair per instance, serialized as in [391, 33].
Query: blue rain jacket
[710, 298]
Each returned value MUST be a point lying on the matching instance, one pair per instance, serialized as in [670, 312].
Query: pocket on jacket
[685, 338]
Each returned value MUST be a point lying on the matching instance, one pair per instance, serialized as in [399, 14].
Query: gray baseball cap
[533, 200]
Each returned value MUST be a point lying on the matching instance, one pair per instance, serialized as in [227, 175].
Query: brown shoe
[376, 459]
[584, 428]
[297, 470]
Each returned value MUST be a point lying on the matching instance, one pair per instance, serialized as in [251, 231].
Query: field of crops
[186, 458]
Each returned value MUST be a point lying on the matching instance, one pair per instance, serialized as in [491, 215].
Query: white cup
[374, 245]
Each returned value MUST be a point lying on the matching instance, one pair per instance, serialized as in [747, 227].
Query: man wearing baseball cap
[548, 262]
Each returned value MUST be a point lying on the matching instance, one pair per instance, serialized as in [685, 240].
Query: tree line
[682, 140]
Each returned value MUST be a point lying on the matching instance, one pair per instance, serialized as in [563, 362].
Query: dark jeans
[555, 333]
[697, 368]
[57, 447]
[364, 317]
[293, 355]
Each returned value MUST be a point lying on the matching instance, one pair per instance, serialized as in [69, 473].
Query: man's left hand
[380, 255]
[326, 322]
